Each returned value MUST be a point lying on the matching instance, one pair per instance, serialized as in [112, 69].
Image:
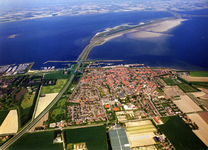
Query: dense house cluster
[131, 92]
[88, 108]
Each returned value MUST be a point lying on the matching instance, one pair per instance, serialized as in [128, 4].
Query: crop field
[199, 85]
[204, 116]
[170, 81]
[187, 88]
[44, 102]
[202, 132]
[199, 74]
[187, 105]
[141, 129]
[180, 135]
[197, 79]
[3, 115]
[40, 122]
[54, 88]
[94, 137]
[36, 141]
[138, 123]
[140, 133]
[10, 123]
[173, 91]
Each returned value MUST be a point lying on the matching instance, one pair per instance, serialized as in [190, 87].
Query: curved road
[25, 129]
[80, 59]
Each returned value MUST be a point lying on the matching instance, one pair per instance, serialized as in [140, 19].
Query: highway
[33, 122]
[82, 57]
[25, 129]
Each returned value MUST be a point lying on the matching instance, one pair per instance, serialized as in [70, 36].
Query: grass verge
[54, 88]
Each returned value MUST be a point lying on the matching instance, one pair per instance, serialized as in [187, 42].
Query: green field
[200, 84]
[170, 81]
[180, 135]
[58, 111]
[187, 88]
[27, 100]
[95, 137]
[199, 73]
[57, 75]
[36, 141]
[3, 115]
[54, 88]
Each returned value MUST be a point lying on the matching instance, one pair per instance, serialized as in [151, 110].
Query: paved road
[81, 58]
[33, 122]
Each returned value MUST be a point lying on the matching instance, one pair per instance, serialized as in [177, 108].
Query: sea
[63, 38]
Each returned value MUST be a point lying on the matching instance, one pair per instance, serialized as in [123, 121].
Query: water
[185, 48]
[64, 38]
[61, 37]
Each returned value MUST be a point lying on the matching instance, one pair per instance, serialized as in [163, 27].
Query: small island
[12, 36]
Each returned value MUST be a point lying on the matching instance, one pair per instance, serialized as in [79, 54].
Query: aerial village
[128, 93]
[133, 103]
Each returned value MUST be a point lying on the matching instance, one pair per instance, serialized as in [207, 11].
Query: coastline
[149, 30]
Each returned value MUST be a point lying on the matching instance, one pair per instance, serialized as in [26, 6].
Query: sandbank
[12, 36]
[164, 25]
[112, 37]
[145, 34]
[157, 29]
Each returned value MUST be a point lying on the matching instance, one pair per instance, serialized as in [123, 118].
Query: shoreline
[150, 30]
[110, 33]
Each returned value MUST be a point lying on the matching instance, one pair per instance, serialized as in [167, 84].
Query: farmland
[186, 104]
[204, 116]
[197, 79]
[180, 135]
[3, 115]
[140, 133]
[54, 88]
[186, 88]
[173, 91]
[41, 122]
[43, 102]
[199, 74]
[170, 81]
[202, 132]
[10, 124]
[38, 140]
[94, 137]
